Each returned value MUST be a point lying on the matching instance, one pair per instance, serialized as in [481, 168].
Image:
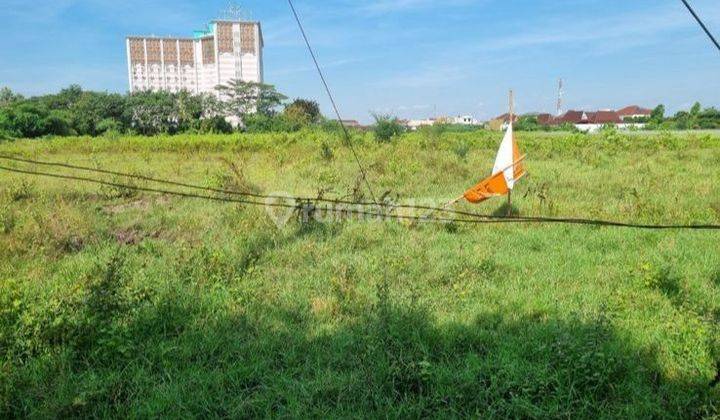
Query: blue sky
[412, 58]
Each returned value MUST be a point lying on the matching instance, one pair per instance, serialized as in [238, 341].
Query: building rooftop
[199, 33]
[634, 110]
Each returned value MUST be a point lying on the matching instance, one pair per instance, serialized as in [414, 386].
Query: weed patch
[229, 316]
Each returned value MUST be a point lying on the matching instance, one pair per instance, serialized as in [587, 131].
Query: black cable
[702, 25]
[499, 220]
[332, 101]
[250, 202]
[244, 194]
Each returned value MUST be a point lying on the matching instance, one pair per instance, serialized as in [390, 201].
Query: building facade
[226, 50]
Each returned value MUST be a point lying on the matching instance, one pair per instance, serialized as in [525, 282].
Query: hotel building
[226, 50]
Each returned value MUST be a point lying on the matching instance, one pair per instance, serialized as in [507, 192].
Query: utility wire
[250, 202]
[702, 25]
[348, 140]
[243, 194]
[443, 210]
[300, 206]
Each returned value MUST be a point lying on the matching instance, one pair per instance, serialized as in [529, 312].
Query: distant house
[545, 119]
[634, 112]
[416, 124]
[587, 121]
[603, 118]
[502, 121]
[465, 120]
[351, 123]
[572, 117]
[427, 122]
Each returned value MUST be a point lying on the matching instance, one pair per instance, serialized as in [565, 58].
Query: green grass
[115, 303]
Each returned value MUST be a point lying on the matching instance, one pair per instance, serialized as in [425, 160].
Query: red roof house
[506, 118]
[573, 117]
[603, 117]
[634, 111]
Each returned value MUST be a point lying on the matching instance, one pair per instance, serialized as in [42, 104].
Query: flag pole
[512, 117]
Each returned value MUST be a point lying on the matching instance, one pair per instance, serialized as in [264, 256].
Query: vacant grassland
[126, 304]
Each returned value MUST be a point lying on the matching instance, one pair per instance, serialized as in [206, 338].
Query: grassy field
[125, 304]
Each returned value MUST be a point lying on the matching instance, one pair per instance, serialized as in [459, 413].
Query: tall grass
[134, 305]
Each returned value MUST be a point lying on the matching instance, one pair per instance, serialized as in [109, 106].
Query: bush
[215, 125]
[58, 124]
[5, 135]
[302, 113]
[528, 123]
[332, 126]
[108, 125]
[260, 123]
[326, 152]
[387, 127]
[461, 149]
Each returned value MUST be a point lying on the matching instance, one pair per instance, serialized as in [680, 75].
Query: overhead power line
[470, 217]
[299, 206]
[348, 140]
[702, 24]
[316, 200]
[238, 193]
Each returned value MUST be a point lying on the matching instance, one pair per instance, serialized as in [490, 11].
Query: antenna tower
[560, 98]
[234, 12]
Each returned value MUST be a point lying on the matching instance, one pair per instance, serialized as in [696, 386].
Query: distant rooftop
[198, 33]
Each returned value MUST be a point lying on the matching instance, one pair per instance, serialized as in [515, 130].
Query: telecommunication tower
[560, 98]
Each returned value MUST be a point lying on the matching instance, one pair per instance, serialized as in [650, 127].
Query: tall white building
[226, 50]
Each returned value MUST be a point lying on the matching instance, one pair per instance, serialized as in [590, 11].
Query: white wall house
[428, 122]
[416, 124]
[226, 50]
[465, 120]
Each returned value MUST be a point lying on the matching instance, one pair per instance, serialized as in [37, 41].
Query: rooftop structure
[634, 111]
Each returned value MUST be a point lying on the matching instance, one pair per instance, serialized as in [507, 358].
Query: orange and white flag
[508, 170]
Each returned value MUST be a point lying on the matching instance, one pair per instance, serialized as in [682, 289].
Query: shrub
[302, 113]
[58, 124]
[7, 219]
[215, 125]
[461, 149]
[108, 125]
[331, 126]
[387, 127]
[260, 123]
[528, 123]
[326, 152]
[19, 191]
[5, 135]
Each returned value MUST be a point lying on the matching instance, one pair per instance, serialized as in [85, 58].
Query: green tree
[150, 113]
[694, 117]
[696, 109]
[215, 125]
[303, 112]
[682, 120]
[91, 108]
[189, 110]
[8, 97]
[243, 98]
[709, 118]
[26, 119]
[211, 105]
[528, 123]
[387, 127]
[658, 114]
[65, 99]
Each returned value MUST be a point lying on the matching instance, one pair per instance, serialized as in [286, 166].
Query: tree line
[696, 118]
[247, 106]
[74, 111]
